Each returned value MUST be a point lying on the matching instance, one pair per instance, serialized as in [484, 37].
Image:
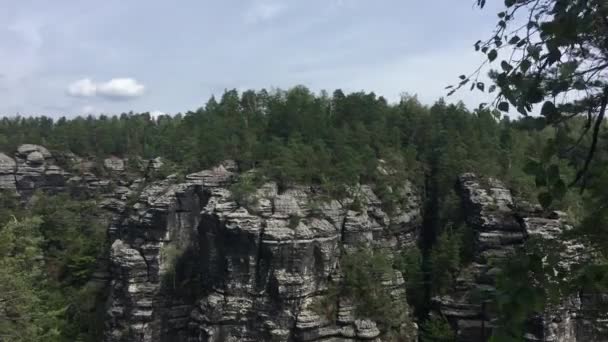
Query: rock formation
[191, 264]
[501, 224]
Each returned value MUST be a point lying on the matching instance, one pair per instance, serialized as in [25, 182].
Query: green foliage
[74, 236]
[556, 61]
[362, 270]
[445, 260]
[244, 189]
[529, 280]
[294, 221]
[411, 265]
[436, 329]
[326, 306]
[47, 255]
[21, 318]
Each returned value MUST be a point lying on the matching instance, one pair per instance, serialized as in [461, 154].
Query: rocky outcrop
[7, 172]
[501, 224]
[32, 168]
[114, 164]
[189, 263]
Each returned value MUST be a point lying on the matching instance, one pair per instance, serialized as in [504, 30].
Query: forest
[293, 137]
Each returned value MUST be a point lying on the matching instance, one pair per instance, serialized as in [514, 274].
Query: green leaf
[545, 199]
[503, 106]
[506, 66]
[514, 40]
[492, 55]
[535, 94]
[462, 77]
[522, 43]
[522, 110]
[480, 86]
[525, 65]
[534, 52]
[554, 55]
[509, 3]
[550, 111]
[492, 88]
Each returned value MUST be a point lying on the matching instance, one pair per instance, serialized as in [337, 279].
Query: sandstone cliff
[501, 224]
[189, 262]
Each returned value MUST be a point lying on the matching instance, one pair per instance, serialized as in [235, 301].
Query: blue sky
[71, 57]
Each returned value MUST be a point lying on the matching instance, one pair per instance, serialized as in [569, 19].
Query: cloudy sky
[71, 57]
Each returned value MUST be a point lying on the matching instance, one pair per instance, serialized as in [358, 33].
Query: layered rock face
[191, 264]
[32, 168]
[501, 224]
[188, 263]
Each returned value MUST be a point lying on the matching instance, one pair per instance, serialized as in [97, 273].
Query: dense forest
[49, 247]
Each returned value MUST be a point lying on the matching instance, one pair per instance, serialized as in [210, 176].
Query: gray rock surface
[501, 224]
[7, 172]
[188, 263]
[191, 264]
[114, 164]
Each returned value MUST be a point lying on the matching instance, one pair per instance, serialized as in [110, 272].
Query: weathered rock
[7, 172]
[36, 170]
[500, 225]
[156, 163]
[114, 164]
[252, 274]
[26, 149]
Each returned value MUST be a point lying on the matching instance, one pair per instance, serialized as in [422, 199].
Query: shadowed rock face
[245, 274]
[501, 224]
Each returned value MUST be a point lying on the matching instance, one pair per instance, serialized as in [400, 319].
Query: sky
[74, 57]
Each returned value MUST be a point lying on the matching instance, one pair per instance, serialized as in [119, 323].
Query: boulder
[114, 164]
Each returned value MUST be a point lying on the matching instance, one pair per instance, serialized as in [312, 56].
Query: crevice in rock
[141, 253]
[260, 251]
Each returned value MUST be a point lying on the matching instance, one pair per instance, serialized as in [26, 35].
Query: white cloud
[263, 10]
[120, 88]
[82, 88]
[114, 89]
